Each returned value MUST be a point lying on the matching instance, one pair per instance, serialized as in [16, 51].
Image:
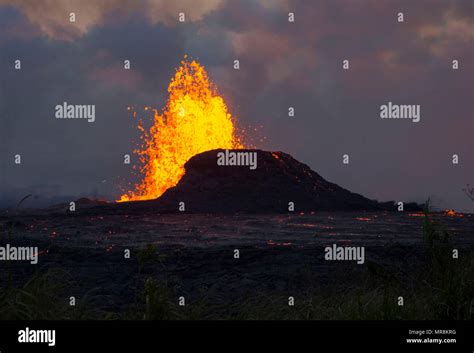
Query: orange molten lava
[453, 213]
[194, 120]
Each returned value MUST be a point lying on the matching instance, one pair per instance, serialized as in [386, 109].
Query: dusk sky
[282, 64]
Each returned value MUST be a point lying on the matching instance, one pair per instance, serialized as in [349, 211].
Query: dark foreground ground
[407, 255]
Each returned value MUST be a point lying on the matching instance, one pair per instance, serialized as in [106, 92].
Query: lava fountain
[194, 120]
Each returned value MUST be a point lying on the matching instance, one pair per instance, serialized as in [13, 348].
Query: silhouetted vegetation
[442, 287]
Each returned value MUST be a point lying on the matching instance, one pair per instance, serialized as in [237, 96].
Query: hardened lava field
[192, 256]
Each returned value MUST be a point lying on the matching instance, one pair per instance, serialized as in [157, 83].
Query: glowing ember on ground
[275, 155]
[271, 242]
[417, 214]
[453, 213]
[194, 120]
[364, 219]
[449, 213]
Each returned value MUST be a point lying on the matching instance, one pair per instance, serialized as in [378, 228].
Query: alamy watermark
[403, 111]
[241, 159]
[69, 111]
[37, 336]
[19, 253]
[345, 253]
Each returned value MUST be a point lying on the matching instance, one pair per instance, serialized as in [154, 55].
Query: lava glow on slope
[194, 120]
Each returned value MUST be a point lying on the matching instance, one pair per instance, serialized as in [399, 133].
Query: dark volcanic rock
[277, 180]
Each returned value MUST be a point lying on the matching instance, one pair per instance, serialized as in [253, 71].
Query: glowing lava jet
[194, 120]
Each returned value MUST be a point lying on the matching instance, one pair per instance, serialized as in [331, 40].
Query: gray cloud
[282, 65]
